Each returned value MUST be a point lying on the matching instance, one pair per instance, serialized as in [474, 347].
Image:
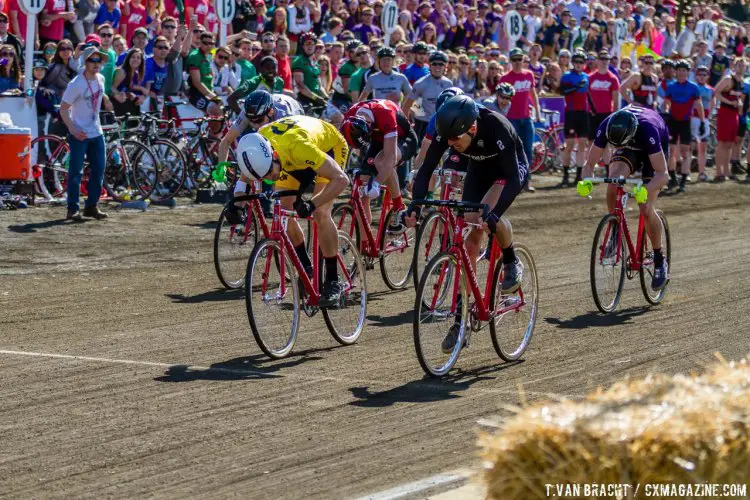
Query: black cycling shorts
[482, 175]
[408, 146]
[679, 130]
[594, 123]
[198, 100]
[638, 160]
[576, 124]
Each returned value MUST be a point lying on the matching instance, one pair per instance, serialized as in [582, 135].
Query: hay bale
[664, 430]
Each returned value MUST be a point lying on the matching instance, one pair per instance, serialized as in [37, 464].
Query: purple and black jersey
[651, 137]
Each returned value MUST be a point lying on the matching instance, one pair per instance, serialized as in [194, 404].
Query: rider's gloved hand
[319, 101]
[640, 193]
[304, 208]
[584, 188]
[371, 189]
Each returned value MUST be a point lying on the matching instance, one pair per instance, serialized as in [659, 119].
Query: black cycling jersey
[495, 153]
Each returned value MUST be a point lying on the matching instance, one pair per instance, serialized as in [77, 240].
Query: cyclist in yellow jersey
[297, 152]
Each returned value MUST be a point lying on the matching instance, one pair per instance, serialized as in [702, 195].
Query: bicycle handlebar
[264, 196]
[463, 206]
[614, 180]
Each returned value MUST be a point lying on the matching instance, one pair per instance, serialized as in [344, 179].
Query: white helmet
[255, 156]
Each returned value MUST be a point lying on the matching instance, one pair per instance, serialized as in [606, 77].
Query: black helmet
[438, 56]
[386, 52]
[682, 64]
[352, 45]
[447, 94]
[257, 104]
[456, 116]
[307, 36]
[666, 63]
[506, 90]
[578, 55]
[622, 127]
[420, 48]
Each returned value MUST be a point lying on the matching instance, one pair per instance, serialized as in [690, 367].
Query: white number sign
[32, 7]
[513, 26]
[225, 10]
[389, 16]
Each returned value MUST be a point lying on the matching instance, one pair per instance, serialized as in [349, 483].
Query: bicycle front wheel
[233, 244]
[395, 255]
[346, 221]
[609, 258]
[346, 321]
[272, 299]
[439, 319]
[646, 252]
[52, 156]
[517, 311]
[172, 168]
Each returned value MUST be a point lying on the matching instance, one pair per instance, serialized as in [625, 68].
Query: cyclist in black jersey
[497, 171]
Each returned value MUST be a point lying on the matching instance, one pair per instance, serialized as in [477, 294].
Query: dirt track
[170, 396]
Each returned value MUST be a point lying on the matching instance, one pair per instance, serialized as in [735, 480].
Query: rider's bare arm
[337, 182]
[390, 157]
[595, 154]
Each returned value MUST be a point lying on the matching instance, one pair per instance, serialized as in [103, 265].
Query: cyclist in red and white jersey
[384, 136]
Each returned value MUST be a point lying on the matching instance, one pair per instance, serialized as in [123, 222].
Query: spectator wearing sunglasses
[176, 57]
[366, 30]
[106, 37]
[267, 48]
[8, 38]
[157, 68]
[201, 82]
[244, 60]
[224, 79]
[81, 104]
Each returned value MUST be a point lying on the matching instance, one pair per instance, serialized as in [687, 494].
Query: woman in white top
[225, 81]
[80, 108]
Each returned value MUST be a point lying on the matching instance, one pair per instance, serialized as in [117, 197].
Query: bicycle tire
[54, 172]
[424, 237]
[172, 168]
[352, 261]
[643, 254]
[229, 280]
[607, 224]
[539, 154]
[144, 170]
[393, 280]
[423, 346]
[261, 329]
[346, 221]
[530, 295]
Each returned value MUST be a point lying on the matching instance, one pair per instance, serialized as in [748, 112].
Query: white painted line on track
[408, 489]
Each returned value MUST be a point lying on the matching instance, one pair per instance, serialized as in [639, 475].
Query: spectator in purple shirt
[439, 17]
[474, 29]
[366, 29]
[423, 15]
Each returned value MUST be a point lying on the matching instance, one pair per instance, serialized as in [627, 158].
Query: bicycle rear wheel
[272, 299]
[609, 260]
[346, 321]
[539, 150]
[432, 239]
[232, 247]
[144, 167]
[172, 168]
[646, 252]
[434, 315]
[396, 258]
[517, 324]
[52, 156]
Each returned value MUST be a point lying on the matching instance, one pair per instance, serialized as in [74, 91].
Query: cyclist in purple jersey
[641, 139]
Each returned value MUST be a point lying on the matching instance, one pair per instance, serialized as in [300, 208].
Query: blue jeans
[525, 130]
[93, 149]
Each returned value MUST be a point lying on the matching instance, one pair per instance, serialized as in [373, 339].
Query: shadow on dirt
[203, 225]
[595, 319]
[402, 318]
[220, 294]
[427, 390]
[35, 226]
[253, 367]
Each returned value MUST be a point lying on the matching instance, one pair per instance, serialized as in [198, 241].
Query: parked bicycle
[448, 276]
[613, 255]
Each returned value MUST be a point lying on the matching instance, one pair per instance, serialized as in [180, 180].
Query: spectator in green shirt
[267, 80]
[306, 73]
[201, 81]
[106, 33]
[244, 60]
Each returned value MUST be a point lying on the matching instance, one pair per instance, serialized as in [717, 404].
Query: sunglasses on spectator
[3, 21]
[197, 32]
[161, 47]
[207, 43]
[6, 53]
[464, 63]
[648, 63]
[169, 27]
[93, 60]
[268, 40]
[106, 35]
[437, 63]
[222, 58]
[516, 59]
[66, 49]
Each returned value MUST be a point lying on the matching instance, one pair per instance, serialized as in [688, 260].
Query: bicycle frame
[279, 234]
[369, 246]
[255, 209]
[458, 249]
[447, 193]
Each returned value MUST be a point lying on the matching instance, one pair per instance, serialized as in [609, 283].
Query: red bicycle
[393, 251]
[613, 255]
[449, 276]
[273, 278]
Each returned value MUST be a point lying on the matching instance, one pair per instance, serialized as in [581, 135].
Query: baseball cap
[93, 37]
[40, 63]
[140, 31]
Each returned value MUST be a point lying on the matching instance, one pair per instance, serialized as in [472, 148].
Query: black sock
[301, 252]
[673, 175]
[658, 257]
[509, 255]
[332, 268]
[683, 178]
[578, 172]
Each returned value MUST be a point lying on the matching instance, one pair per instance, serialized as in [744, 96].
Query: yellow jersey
[302, 143]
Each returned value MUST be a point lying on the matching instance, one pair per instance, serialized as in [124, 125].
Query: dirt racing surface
[126, 371]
